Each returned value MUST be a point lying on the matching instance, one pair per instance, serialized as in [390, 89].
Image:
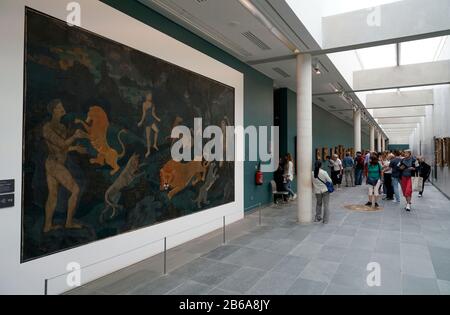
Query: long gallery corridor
[282, 257]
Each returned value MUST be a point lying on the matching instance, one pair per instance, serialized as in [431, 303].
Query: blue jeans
[358, 176]
[287, 187]
[395, 185]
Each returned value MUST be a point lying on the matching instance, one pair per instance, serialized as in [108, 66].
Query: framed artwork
[446, 153]
[98, 117]
[438, 146]
[318, 154]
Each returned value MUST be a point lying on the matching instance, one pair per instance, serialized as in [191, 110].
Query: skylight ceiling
[419, 51]
[377, 57]
[424, 50]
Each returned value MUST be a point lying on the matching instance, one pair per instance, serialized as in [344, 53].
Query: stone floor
[282, 257]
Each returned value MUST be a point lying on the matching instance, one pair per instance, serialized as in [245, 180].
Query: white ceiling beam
[399, 112]
[422, 74]
[400, 99]
[401, 120]
[386, 24]
[398, 126]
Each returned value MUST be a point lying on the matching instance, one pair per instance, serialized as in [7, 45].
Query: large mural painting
[97, 139]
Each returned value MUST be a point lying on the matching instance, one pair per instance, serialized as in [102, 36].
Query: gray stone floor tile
[440, 258]
[444, 287]
[307, 287]
[192, 268]
[255, 258]
[307, 249]
[358, 257]
[340, 241]
[346, 231]
[218, 292]
[291, 265]
[273, 283]
[351, 277]
[191, 288]
[335, 289]
[215, 274]
[160, 286]
[413, 285]
[388, 247]
[319, 270]
[283, 257]
[332, 253]
[221, 252]
[242, 280]
[129, 283]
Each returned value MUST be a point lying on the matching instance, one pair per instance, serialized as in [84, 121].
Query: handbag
[329, 185]
[417, 183]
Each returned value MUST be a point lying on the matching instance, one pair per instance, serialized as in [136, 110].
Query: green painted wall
[328, 130]
[258, 89]
[400, 147]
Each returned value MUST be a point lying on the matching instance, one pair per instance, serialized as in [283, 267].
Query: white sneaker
[295, 197]
[408, 208]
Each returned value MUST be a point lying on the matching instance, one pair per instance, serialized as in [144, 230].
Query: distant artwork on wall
[439, 151]
[446, 153]
[97, 139]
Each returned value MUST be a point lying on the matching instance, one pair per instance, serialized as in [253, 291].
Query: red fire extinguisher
[259, 177]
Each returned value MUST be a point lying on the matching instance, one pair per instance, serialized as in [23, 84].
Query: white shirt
[336, 165]
[318, 186]
[386, 164]
[289, 171]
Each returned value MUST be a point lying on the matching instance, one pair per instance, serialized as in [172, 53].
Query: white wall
[436, 121]
[28, 278]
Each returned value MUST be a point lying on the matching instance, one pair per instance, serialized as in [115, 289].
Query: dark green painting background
[83, 70]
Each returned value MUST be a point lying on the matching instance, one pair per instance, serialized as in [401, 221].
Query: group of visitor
[384, 173]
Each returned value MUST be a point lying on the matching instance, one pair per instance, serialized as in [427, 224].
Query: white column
[372, 139]
[357, 129]
[304, 138]
[379, 142]
[382, 144]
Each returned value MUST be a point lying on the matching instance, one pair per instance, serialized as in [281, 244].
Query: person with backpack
[407, 167]
[374, 179]
[322, 187]
[424, 172]
[359, 168]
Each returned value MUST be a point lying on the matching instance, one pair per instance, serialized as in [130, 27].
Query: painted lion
[176, 176]
[96, 125]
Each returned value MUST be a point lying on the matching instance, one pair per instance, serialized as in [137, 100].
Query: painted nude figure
[149, 120]
[59, 144]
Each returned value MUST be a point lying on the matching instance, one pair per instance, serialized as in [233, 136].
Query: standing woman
[387, 171]
[149, 120]
[374, 176]
[407, 168]
[289, 176]
[336, 171]
[320, 178]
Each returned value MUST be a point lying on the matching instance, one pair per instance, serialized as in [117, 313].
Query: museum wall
[336, 132]
[258, 89]
[441, 129]
[99, 258]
